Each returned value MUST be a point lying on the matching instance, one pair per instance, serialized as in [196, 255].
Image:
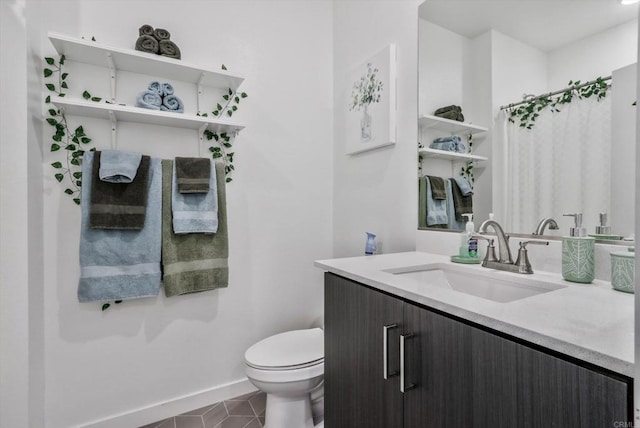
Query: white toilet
[289, 368]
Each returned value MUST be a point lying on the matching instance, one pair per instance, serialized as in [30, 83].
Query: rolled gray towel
[169, 49]
[173, 104]
[161, 34]
[145, 30]
[147, 44]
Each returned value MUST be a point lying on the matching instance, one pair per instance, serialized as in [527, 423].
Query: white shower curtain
[561, 165]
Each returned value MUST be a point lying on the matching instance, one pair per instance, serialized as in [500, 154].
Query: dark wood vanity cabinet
[454, 374]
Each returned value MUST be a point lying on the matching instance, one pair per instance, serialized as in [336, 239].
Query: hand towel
[194, 262]
[120, 264]
[193, 174]
[145, 30]
[453, 224]
[166, 89]
[119, 167]
[118, 205]
[148, 44]
[169, 49]
[461, 204]
[172, 103]
[161, 34]
[422, 202]
[436, 208]
[149, 99]
[195, 212]
[156, 87]
[437, 188]
[464, 186]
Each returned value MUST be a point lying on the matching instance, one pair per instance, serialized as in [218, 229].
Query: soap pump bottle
[468, 244]
[370, 246]
[603, 229]
[578, 253]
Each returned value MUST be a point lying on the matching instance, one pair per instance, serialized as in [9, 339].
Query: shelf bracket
[114, 129]
[112, 76]
[199, 92]
[201, 138]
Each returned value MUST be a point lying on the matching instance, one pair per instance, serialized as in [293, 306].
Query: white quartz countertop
[591, 322]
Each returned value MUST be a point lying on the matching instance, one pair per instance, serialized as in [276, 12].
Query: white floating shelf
[89, 52]
[452, 156]
[122, 113]
[447, 125]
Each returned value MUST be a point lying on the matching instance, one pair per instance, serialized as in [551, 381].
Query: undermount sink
[487, 284]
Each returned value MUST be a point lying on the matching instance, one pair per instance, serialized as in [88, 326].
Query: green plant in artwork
[527, 113]
[367, 90]
[72, 143]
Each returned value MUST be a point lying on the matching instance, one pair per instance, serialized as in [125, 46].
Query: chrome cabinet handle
[403, 385]
[385, 350]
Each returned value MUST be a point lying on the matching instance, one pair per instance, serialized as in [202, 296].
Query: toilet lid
[292, 349]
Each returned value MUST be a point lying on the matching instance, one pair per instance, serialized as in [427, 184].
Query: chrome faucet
[503, 240]
[522, 264]
[544, 223]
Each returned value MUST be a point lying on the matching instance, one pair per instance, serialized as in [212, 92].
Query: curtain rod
[554, 93]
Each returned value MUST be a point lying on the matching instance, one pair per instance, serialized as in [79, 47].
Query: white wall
[171, 355]
[376, 191]
[593, 56]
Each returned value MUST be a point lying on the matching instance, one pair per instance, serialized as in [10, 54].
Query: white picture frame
[370, 110]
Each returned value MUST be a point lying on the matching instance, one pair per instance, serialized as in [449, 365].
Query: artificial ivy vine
[466, 171]
[71, 143]
[527, 113]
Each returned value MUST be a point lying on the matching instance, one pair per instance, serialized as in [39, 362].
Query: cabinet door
[556, 393]
[356, 394]
[494, 368]
[438, 363]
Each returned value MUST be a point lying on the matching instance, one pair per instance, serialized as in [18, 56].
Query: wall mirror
[572, 155]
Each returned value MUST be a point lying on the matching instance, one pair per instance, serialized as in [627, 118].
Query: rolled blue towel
[452, 138]
[172, 103]
[461, 147]
[149, 99]
[118, 167]
[449, 146]
[166, 89]
[155, 87]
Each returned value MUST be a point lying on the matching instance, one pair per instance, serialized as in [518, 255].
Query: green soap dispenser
[578, 253]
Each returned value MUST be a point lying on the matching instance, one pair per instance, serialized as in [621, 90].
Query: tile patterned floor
[246, 411]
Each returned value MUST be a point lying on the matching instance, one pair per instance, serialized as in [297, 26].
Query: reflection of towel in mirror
[118, 205]
[437, 187]
[149, 99]
[172, 103]
[436, 208]
[194, 262]
[148, 44]
[465, 187]
[120, 264]
[461, 204]
[454, 224]
[119, 167]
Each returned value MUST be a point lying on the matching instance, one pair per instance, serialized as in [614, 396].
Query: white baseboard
[156, 412]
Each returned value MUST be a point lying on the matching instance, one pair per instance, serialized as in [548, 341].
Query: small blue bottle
[370, 247]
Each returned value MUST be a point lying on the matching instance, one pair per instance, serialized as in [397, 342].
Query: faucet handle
[524, 266]
[490, 256]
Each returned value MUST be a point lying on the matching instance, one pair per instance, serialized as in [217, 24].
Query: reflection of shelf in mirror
[450, 126]
[90, 52]
[452, 156]
[140, 115]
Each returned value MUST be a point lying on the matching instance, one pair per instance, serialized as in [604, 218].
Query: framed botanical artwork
[371, 107]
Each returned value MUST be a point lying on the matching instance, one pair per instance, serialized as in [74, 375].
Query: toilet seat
[291, 350]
